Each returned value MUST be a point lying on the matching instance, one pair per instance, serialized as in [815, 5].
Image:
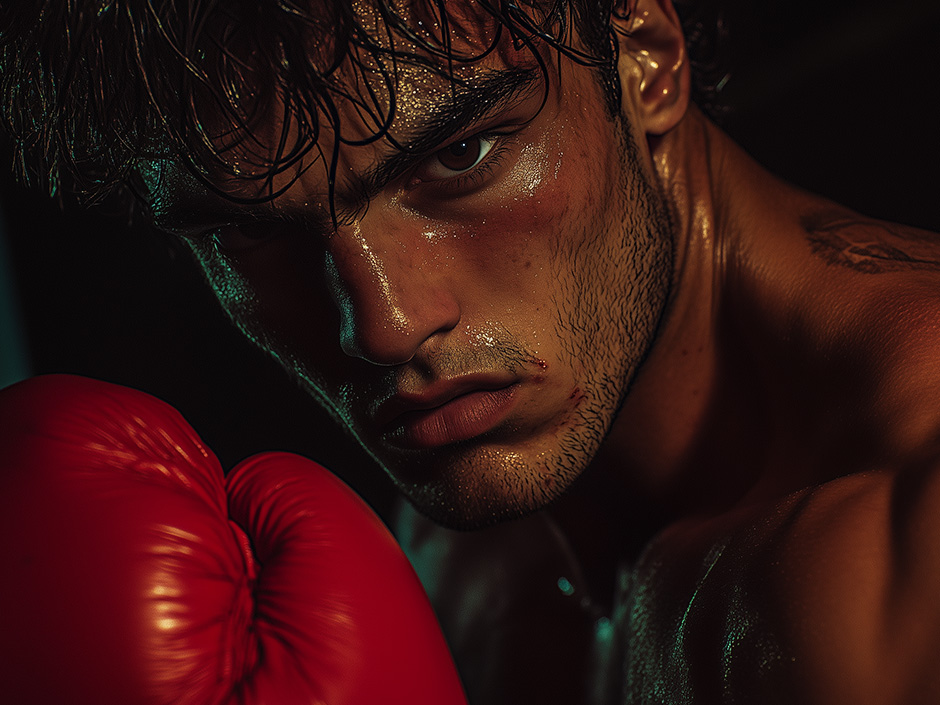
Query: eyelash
[475, 176]
[469, 180]
[249, 239]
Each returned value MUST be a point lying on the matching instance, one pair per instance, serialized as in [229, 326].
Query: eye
[457, 158]
[241, 237]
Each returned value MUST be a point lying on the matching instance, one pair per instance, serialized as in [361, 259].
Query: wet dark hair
[91, 87]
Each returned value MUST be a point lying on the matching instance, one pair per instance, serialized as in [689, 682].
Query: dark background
[841, 97]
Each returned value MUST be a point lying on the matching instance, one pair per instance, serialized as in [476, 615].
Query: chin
[488, 486]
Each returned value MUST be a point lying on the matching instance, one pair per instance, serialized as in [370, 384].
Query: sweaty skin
[535, 281]
[760, 523]
[720, 391]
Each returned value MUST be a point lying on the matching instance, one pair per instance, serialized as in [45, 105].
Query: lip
[457, 410]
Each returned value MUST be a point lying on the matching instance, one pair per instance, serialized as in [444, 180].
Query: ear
[653, 64]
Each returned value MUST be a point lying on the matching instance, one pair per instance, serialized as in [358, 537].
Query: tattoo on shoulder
[871, 246]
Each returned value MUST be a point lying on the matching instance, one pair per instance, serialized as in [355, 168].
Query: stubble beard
[615, 271]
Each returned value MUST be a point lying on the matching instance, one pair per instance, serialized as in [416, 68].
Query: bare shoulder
[830, 596]
[886, 290]
[844, 239]
[846, 278]
[868, 293]
[853, 571]
[874, 267]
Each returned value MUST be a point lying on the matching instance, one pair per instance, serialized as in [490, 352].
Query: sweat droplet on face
[530, 170]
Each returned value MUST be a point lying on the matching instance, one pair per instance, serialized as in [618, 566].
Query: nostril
[388, 307]
[387, 337]
[379, 341]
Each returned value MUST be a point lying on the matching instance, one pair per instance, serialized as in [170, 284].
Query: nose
[392, 293]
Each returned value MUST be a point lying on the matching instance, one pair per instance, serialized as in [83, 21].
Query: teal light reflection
[14, 364]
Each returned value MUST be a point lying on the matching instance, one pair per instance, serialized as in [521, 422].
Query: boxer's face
[478, 314]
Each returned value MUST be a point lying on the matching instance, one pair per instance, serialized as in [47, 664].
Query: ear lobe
[653, 63]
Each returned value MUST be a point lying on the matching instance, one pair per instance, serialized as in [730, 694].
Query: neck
[679, 406]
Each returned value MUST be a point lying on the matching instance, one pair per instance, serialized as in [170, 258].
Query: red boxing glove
[136, 573]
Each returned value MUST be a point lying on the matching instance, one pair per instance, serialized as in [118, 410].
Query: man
[526, 273]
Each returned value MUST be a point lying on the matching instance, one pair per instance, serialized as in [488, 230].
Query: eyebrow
[190, 206]
[461, 107]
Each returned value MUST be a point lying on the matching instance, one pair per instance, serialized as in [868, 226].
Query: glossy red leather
[135, 572]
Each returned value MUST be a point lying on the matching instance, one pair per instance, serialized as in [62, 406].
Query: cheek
[552, 190]
[233, 291]
[515, 232]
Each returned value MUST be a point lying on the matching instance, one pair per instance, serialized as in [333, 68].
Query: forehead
[396, 92]
[403, 57]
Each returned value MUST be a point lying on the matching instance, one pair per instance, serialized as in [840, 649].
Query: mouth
[456, 412]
